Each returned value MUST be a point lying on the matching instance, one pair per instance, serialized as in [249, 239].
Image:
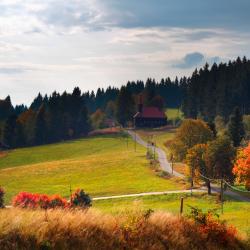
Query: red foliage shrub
[212, 229]
[28, 200]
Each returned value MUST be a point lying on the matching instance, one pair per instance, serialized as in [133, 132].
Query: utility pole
[191, 181]
[172, 162]
[221, 195]
[135, 134]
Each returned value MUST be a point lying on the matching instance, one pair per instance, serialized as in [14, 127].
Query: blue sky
[55, 45]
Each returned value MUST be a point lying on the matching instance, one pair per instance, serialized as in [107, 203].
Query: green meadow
[102, 165]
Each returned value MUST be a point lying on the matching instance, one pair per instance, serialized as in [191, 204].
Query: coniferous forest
[211, 91]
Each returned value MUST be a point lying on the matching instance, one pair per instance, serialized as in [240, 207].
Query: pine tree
[40, 131]
[236, 127]
[9, 131]
[125, 106]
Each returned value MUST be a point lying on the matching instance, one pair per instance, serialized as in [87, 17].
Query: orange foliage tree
[242, 166]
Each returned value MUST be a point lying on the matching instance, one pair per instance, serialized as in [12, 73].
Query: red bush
[28, 200]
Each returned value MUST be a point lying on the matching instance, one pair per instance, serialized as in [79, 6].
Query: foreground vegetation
[234, 212]
[102, 165]
[77, 229]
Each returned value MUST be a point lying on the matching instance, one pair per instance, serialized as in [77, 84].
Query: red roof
[150, 112]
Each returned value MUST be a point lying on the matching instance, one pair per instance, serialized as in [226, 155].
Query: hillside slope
[101, 165]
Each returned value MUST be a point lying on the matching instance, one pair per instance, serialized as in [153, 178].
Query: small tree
[190, 133]
[81, 199]
[236, 127]
[196, 162]
[98, 119]
[241, 167]
[219, 158]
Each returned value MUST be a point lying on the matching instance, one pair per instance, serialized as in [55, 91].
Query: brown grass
[58, 229]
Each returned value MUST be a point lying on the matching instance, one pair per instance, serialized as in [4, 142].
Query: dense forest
[210, 92]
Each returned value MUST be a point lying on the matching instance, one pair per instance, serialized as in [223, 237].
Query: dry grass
[58, 229]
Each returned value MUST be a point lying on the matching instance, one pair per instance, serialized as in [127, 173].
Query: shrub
[80, 199]
[28, 200]
[213, 229]
[2, 197]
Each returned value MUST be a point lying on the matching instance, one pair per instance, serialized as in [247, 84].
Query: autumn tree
[98, 119]
[190, 133]
[219, 158]
[195, 159]
[241, 167]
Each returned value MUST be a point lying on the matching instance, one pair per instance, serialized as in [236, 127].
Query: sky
[48, 45]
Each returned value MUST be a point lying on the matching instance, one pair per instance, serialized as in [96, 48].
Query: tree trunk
[208, 187]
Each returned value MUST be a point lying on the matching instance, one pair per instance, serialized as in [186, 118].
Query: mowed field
[101, 165]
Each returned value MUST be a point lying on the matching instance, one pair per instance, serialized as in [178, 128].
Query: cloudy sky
[48, 45]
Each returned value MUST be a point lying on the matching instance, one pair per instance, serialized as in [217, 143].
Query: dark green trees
[236, 127]
[125, 106]
[40, 130]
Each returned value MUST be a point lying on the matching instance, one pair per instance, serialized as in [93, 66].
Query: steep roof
[150, 112]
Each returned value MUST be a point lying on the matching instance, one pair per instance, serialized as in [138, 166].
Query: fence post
[181, 208]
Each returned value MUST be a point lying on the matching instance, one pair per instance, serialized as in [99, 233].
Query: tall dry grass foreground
[60, 229]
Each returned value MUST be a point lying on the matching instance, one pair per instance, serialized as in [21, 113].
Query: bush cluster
[43, 201]
[28, 200]
[212, 228]
[80, 199]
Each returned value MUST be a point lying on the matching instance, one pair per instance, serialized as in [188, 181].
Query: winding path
[164, 163]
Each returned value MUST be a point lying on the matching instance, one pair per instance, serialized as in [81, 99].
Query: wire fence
[225, 182]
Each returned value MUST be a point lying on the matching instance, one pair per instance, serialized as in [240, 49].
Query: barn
[149, 117]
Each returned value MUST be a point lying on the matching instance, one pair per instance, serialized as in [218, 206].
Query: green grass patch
[174, 113]
[101, 165]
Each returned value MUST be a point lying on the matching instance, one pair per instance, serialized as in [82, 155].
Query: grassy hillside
[101, 165]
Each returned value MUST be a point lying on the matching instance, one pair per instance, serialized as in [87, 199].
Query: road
[164, 163]
[149, 194]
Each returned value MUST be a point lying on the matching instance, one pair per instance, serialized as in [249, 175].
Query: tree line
[210, 94]
[216, 91]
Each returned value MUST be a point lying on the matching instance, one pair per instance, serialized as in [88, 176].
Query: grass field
[173, 114]
[101, 165]
[235, 212]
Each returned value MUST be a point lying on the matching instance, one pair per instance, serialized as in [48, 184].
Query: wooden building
[149, 117]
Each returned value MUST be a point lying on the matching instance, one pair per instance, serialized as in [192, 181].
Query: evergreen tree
[125, 106]
[9, 131]
[236, 127]
[40, 131]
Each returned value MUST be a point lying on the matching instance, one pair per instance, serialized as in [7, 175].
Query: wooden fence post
[181, 208]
